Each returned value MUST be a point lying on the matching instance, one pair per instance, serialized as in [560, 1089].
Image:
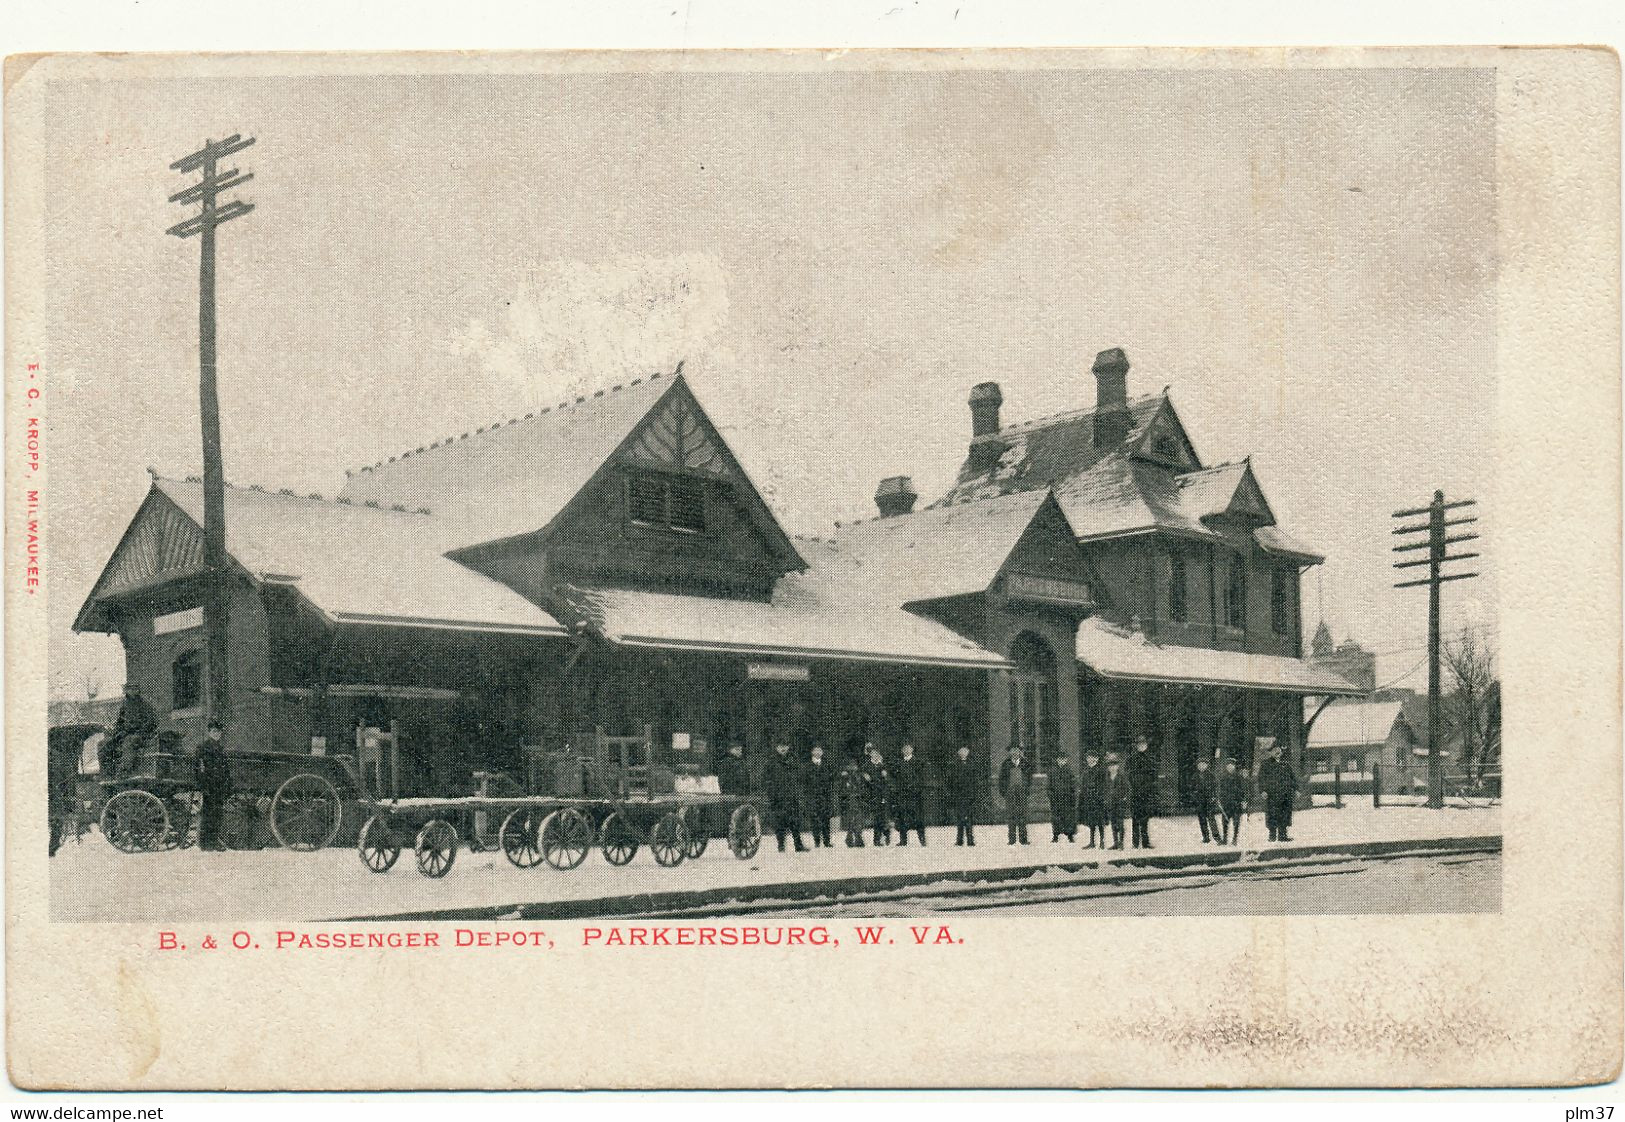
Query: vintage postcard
[1105, 562]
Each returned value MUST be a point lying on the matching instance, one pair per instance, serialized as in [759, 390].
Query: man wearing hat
[214, 785]
[964, 786]
[1118, 797]
[733, 777]
[1092, 797]
[908, 796]
[1280, 786]
[782, 782]
[1232, 800]
[135, 724]
[877, 787]
[1063, 802]
[1205, 798]
[1015, 784]
[819, 783]
[1142, 782]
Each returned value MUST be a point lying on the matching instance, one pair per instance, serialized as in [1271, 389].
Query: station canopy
[1121, 653]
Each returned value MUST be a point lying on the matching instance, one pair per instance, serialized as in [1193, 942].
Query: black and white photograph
[742, 500]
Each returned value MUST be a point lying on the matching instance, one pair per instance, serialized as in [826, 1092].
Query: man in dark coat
[134, 726]
[908, 796]
[1280, 786]
[214, 785]
[818, 784]
[1205, 799]
[1015, 786]
[1092, 797]
[877, 790]
[1232, 800]
[852, 799]
[1063, 801]
[733, 777]
[1142, 782]
[964, 788]
[781, 782]
[1118, 797]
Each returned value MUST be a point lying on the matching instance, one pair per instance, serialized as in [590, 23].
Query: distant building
[84, 711]
[1348, 659]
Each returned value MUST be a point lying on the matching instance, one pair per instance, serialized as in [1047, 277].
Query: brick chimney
[895, 495]
[986, 446]
[1111, 397]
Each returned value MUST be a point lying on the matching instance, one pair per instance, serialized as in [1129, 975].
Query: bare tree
[1472, 700]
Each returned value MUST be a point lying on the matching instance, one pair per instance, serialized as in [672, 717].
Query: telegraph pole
[1436, 543]
[213, 214]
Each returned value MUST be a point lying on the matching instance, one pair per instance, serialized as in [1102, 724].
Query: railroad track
[1050, 888]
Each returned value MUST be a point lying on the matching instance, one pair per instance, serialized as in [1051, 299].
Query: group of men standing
[875, 795]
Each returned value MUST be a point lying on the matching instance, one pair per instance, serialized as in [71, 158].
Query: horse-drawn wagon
[298, 800]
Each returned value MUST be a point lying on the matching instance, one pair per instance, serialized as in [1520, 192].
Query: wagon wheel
[565, 837]
[377, 845]
[305, 813]
[699, 831]
[519, 837]
[135, 821]
[745, 832]
[668, 841]
[240, 821]
[436, 848]
[618, 839]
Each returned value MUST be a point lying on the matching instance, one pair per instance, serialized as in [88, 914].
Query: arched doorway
[1034, 719]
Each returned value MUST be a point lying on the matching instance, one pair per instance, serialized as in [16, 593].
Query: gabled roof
[1354, 724]
[1115, 490]
[355, 564]
[934, 553]
[1224, 490]
[519, 476]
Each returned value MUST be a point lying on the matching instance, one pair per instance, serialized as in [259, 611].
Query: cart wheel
[436, 848]
[377, 846]
[668, 841]
[745, 832]
[565, 837]
[519, 838]
[699, 831]
[618, 839]
[135, 821]
[240, 822]
[305, 813]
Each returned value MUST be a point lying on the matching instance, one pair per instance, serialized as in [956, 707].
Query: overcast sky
[1306, 258]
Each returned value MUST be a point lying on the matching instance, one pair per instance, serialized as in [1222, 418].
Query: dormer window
[671, 502]
[1166, 447]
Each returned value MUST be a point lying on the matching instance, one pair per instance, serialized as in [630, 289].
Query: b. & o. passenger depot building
[505, 599]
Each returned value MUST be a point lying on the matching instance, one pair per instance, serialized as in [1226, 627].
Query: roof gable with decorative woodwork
[354, 563]
[1149, 481]
[519, 477]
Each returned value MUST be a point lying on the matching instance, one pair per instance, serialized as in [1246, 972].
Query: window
[1280, 602]
[1235, 593]
[673, 501]
[186, 681]
[1176, 587]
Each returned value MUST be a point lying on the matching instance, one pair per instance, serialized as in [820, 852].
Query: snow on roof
[1106, 492]
[836, 608]
[1348, 724]
[517, 475]
[937, 552]
[362, 564]
[1115, 652]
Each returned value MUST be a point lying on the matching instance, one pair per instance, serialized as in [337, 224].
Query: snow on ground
[94, 882]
